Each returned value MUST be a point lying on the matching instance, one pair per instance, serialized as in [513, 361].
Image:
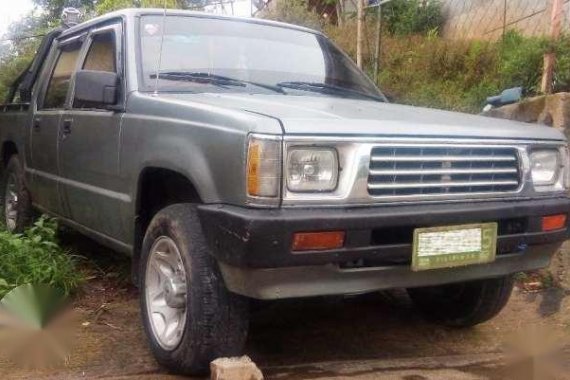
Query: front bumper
[253, 246]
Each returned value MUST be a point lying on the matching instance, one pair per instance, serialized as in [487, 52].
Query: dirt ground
[378, 336]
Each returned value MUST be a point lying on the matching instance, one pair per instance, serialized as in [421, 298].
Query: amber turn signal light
[553, 222]
[318, 241]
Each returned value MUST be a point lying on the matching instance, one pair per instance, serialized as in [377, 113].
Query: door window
[101, 56]
[59, 82]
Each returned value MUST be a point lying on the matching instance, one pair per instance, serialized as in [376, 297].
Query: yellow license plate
[454, 246]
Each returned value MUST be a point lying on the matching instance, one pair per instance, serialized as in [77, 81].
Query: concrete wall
[484, 19]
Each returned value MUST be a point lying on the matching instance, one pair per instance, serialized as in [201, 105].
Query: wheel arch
[9, 148]
[158, 187]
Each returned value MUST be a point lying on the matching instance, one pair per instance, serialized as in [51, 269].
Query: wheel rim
[165, 292]
[11, 203]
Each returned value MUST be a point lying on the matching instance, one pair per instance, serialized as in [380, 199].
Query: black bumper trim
[309, 281]
[261, 238]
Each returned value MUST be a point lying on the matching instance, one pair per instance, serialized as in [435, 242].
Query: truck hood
[319, 115]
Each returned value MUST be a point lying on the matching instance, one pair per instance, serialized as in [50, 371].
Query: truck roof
[132, 13]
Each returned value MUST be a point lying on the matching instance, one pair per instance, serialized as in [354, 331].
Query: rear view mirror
[96, 89]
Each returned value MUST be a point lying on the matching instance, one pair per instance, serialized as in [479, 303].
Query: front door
[89, 147]
[43, 170]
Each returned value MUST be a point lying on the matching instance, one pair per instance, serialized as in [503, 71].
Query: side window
[60, 77]
[102, 53]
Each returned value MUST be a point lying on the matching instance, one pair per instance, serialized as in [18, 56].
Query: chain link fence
[490, 19]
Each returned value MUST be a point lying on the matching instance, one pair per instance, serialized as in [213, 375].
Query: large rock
[234, 369]
[551, 110]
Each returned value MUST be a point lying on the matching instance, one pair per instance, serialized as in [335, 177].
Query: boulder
[552, 110]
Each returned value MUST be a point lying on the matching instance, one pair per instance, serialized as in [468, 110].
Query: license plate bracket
[454, 246]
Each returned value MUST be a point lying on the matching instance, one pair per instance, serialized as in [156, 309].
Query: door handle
[66, 128]
[37, 125]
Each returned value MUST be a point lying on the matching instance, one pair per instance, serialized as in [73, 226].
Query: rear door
[89, 145]
[42, 157]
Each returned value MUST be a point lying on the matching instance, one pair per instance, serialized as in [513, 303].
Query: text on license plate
[445, 247]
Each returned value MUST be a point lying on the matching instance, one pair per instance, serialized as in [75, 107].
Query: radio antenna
[159, 63]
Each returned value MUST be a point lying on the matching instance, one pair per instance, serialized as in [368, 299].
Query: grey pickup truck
[240, 158]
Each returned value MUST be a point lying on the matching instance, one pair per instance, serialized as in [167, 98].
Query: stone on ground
[234, 369]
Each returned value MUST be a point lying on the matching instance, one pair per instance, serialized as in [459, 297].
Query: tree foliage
[18, 52]
[54, 8]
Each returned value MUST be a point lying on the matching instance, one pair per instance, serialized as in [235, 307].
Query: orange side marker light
[318, 241]
[553, 222]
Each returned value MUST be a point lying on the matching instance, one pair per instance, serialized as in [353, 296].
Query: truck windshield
[202, 54]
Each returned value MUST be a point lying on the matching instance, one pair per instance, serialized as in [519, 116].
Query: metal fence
[490, 19]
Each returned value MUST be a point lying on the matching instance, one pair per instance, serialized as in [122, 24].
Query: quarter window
[102, 54]
[59, 82]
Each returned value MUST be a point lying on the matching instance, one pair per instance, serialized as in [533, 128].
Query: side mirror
[97, 89]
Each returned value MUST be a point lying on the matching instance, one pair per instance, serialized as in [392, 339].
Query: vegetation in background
[294, 12]
[10, 68]
[405, 17]
[105, 6]
[426, 70]
[16, 55]
[35, 257]
[54, 8]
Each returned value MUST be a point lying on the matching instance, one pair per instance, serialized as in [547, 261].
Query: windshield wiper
[330, 89]
[217, 80]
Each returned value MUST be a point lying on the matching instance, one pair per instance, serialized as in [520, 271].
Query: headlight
[545, 167]
[312, 169]
[264, 166]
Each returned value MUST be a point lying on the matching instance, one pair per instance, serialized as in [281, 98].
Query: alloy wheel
[165, 292]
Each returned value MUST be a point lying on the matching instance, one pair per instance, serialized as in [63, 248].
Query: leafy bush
[562, 70]
[521, 60]
[405, 17]
[35, 257]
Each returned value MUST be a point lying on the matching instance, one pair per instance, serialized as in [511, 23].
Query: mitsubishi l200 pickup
[238, 159]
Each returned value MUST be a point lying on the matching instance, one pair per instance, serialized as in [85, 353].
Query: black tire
[464, 304]
[216, 320]
[25, 213]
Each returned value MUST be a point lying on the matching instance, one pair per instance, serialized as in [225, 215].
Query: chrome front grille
[433, 170]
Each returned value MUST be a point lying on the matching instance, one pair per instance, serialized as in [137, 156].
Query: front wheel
[190, 318]
[464, 304]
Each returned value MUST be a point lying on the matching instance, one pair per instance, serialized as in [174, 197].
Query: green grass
[36, 257]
